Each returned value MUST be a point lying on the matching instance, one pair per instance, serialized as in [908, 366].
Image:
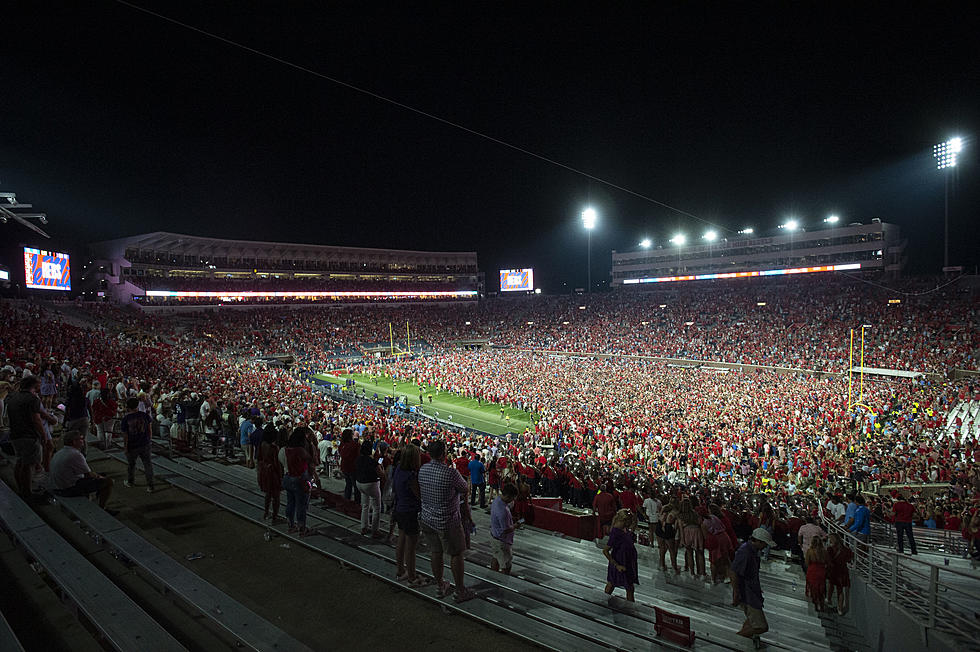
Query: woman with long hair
[297, 481]
[691, 538]
[667, 536]
[816, 573]
[367, 475]
[620, 550]
[405, 512]
[838, 573]
[720, 548]
[270, 473]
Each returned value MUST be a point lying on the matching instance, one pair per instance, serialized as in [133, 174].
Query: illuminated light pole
[945, 155]
[791, 225]
[833, 219]
[710, 236]
[679, 240]
[645, 243]
[589, 217]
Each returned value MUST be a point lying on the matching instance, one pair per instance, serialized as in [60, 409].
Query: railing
[939, 598]
[941, 542]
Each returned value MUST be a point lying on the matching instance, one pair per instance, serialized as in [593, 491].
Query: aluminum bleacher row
[554, 597]
[119, 621]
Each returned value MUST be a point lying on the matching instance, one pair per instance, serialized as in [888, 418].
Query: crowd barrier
[903, 603]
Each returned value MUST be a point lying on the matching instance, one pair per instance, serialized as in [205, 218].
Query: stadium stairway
[556, 582]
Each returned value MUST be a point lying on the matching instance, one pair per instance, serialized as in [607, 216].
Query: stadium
[234, 430]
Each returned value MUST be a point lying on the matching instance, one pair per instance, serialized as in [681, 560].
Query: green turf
[465, 411]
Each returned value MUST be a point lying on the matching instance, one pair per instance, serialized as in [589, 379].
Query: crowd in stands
[605, 427]
[302, 284]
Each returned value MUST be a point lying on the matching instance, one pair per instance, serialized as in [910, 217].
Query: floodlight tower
[945, 155]
[589, 217]
[679, 240]
[710, 236]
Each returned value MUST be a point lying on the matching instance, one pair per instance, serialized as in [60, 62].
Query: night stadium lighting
[679, 239]
[945, 155]
[768, 272]
[747, 231]
[645, 243]
[711, 236]
[791, 225]
[833, 219]
[589, 217]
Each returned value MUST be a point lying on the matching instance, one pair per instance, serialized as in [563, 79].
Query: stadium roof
[192, 244]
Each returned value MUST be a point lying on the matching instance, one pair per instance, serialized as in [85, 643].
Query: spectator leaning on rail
[443, 492]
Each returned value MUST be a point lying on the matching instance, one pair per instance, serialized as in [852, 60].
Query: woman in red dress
[816, 573]
[838, 575]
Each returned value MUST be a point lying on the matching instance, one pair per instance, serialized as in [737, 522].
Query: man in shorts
[745, 573]
[502, 529]
[443, 490]
[26, 432]
[71, 475]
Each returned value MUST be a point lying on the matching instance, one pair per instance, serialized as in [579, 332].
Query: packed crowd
[707, 458]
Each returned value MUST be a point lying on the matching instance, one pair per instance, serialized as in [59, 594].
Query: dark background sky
[116, 122]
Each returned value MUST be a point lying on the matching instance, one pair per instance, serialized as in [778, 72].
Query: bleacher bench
[250, 629]
[120, 622]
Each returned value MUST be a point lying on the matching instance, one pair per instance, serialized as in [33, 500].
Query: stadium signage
[328, 295]
[768, 272]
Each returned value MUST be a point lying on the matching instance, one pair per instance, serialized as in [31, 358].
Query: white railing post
[933, 595]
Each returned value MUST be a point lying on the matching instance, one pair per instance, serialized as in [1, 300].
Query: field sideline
[464, 411]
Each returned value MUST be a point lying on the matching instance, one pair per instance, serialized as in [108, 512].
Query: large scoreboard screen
[46, 270]
[516, 280]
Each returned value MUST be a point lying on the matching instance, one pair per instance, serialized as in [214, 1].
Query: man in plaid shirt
[443, 489]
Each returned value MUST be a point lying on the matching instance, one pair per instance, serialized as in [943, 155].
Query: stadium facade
[877, 246]
[162, 266]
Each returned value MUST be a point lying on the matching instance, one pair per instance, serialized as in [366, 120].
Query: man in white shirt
[651, 506]
[836, 508]
[71, 475]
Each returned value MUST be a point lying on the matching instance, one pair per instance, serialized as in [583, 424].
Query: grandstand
[170, 268]
[877, 246]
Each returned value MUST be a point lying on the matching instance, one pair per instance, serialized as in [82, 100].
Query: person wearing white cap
[748, 590]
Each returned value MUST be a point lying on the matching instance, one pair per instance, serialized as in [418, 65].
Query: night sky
[115, 122]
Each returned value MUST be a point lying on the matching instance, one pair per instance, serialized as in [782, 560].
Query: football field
[461, 410]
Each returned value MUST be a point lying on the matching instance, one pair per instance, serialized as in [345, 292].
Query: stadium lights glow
[791, 225]
[537, 290]
[589, 217]
[679, 239]
[447, 294]
[833, 219]
[945, 153]
[711, 236]
[747, 231]
[645, 243]
[768, 272]
[760, 303]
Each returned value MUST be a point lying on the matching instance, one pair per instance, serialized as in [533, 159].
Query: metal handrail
[942, 542]
[943, 599]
